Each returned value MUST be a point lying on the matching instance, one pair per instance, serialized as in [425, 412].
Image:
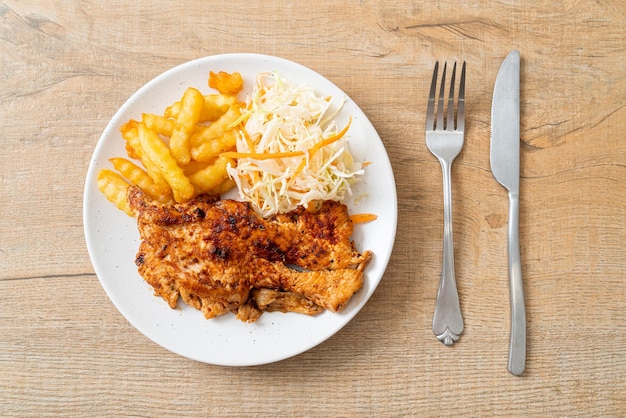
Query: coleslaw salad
[290, 149]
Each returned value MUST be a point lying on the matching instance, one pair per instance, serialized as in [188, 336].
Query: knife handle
[517, 343]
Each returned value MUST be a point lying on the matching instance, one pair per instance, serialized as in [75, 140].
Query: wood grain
[67, 67]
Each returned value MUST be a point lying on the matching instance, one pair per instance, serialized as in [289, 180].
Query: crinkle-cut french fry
[217, 128]
[215, 105]
[190, 111]
[159, 154]
[159, 124]
[225, 186]
[194, 166]
[172, 111]
[133, 147]
[137, 176]
[129, 133]
[211, 148]
[115, 188]
[210, 177]
[226, 83]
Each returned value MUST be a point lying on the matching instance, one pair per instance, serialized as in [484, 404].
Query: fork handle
[447, 319]
[517, 343]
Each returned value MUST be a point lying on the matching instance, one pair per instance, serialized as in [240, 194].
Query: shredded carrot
[360, 218]
[321, 145]
[249, 140]
[270, 155]
[298, 169]
[330, 139]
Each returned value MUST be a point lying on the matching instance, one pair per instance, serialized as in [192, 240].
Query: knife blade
[505, 167]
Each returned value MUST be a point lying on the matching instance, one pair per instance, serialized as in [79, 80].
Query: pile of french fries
[180, 151]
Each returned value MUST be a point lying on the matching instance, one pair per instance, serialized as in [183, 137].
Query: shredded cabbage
[297, 154]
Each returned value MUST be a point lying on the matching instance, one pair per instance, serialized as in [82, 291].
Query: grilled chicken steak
[221, 256]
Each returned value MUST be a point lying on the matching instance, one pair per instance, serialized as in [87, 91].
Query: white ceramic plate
[112, 237]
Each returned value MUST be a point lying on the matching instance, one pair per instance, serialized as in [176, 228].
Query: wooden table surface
[67, 67]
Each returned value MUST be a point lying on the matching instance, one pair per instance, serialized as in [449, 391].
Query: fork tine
[460, 117]
[450, 121]
[430, 110]
[440, 104]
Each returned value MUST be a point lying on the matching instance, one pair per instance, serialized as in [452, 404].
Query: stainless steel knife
[505, 166]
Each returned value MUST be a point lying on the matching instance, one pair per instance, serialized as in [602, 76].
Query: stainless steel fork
[446, 142]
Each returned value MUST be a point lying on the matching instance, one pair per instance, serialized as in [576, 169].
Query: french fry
[207, 179]
[159, 154]
[133, 147]
[225, 186]
[190, 111]
[217, 128]
[115, 188]
[194, 166]
[215, 105]
[137, 176]
[213, 147]
[129, 133]
[172, 111]
[159, 124]
[226, 83]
